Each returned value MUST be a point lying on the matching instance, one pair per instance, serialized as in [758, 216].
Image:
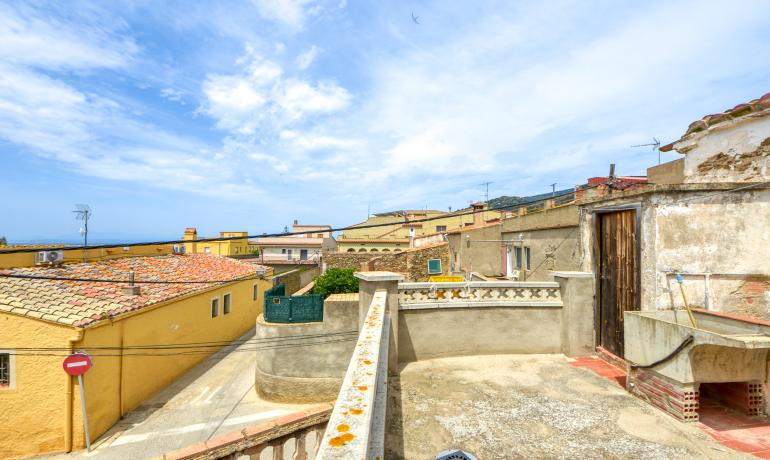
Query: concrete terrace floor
[529, 406]
[214, 398]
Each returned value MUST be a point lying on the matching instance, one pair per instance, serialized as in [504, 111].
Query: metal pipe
[68, 412]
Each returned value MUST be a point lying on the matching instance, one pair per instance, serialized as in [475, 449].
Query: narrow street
[214, 398]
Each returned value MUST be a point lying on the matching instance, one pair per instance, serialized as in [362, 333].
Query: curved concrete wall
[306, 362]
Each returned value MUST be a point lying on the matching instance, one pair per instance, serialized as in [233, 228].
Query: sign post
[78, 364]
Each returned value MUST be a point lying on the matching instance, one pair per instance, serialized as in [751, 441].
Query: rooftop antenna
[486, 194]
[83, 212]
[553, 189]
[655, 144]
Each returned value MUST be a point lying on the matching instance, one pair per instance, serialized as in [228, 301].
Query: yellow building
[41, 404]
[75, 254]
[234, 247]
[406, 225]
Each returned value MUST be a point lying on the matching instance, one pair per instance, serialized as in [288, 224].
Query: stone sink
[724, 349]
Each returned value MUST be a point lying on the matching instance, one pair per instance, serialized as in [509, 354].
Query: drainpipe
[68, 414]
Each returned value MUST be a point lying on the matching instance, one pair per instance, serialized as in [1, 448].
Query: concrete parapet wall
[306, 362]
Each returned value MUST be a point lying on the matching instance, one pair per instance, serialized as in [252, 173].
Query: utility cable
[307, 232]
[690, 339]
[188, 345]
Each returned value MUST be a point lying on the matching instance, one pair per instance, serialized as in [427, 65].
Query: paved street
[214, 398]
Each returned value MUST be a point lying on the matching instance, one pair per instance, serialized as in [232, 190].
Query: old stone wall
[347, 259]
[413, 264]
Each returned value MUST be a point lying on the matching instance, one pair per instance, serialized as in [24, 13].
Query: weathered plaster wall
[550, 249]
[313, 372]
[733, 151]
[562, 216]
[477, 250]
[724, 235]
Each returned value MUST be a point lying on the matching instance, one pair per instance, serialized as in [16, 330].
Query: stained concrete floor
[532, 406]
[214, 398]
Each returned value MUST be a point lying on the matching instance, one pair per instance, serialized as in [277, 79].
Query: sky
[246, 115]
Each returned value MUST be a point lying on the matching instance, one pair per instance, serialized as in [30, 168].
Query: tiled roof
[82, 303]
[740, 110]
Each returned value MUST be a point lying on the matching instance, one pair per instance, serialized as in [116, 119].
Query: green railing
[280, 308]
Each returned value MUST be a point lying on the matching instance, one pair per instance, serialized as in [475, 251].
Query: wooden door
[618, 286]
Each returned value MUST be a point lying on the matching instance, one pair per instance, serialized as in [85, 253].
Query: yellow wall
[221, 248]
[115, 384]
[27, 259]
[400, 230]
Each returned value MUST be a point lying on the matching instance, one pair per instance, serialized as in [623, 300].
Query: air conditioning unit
[49, 257]
[179, 249]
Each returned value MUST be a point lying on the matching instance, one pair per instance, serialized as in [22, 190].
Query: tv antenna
[486, 194]
[553, 189]
[83, 212]
[655, 144]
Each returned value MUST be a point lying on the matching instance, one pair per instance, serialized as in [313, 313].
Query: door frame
[596, 258]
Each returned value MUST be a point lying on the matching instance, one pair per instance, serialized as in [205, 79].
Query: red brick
[258, 429]
[224, 440]
[188, 452]
[290, 418]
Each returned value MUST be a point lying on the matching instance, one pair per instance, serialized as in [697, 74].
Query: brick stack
[678, 400]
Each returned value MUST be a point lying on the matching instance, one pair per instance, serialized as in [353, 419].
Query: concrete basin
[723, 349]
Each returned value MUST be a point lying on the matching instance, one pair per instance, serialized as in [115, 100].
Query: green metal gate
[293, 309]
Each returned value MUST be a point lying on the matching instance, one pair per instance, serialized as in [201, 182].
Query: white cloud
[26, 39]
[291, 13]
[171, 94]
[305, 59]
[260, 96]
[318, 142]
[299, 98]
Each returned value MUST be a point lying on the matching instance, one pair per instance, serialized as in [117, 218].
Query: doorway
[618, 269]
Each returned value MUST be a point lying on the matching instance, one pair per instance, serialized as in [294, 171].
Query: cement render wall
[438, 333]
[311, 373]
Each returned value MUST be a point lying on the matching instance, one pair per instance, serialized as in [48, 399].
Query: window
[440, 228]
[351, 250]
[214, 307]
[519, 260]
[226, 304]
[5, 370]
[319, 235]
[207, 250]
[255, 292]
[288, 254]
[434, 267]
[283, 251]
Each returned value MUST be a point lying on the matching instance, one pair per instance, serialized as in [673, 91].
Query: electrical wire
[194, 352]
[254, 340]
[307, 232]
[123, 281]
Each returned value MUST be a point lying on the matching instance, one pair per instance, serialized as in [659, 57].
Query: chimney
[478, 216]
[131, 289]
[296, 222]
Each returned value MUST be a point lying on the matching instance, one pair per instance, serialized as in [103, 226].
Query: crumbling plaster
[736, 151]
[721, 233]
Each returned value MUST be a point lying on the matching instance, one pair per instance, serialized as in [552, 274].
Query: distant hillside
[510, 201]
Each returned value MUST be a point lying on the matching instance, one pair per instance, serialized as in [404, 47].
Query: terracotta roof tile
[740, 110]
[82, 303]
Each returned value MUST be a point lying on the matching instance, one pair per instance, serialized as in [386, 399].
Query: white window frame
[212, 312]
[227, 307]
[11, 369]
[206, 250]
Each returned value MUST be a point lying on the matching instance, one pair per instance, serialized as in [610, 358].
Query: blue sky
[244, 115]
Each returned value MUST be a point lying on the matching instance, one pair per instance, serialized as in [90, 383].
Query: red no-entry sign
[77, 364]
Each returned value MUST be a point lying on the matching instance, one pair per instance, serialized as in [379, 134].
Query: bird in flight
[415, 18]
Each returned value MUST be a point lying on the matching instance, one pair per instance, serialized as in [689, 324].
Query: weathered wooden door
[619, 278]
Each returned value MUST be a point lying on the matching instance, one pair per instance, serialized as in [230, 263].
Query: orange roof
[82, 303]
